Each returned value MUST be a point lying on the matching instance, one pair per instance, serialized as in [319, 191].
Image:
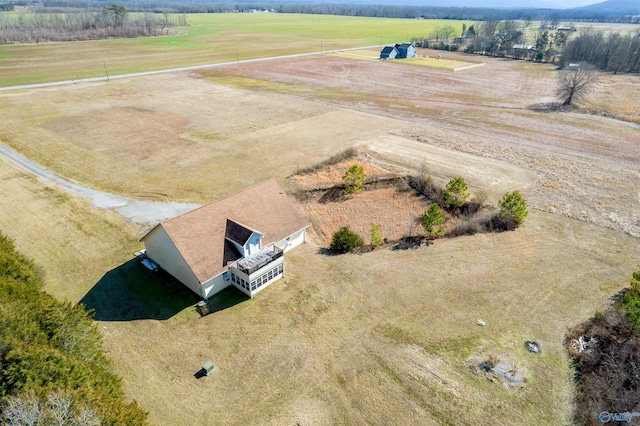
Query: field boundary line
[172, 70]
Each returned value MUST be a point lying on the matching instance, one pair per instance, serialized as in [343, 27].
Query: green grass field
[209, 38]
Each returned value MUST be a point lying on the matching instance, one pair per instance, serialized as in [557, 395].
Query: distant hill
[476, 4]
[617, 7]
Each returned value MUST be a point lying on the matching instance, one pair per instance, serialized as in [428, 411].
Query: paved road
[138, 211]
[195, 67]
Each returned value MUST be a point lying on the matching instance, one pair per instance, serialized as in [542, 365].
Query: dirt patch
[387, 199]
[132, 133]
[397, 214]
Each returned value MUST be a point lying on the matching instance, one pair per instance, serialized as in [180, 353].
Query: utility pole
[105, 70]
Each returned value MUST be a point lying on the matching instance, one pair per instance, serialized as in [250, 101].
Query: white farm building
[239, 240]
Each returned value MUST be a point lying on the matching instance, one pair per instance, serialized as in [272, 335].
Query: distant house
[389, 52]
[406, 50]
[239, 240]
[403, 50]
[524, 46]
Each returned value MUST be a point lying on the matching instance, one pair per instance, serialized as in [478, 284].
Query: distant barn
[401, 50]
[406, 50]
[389, 52]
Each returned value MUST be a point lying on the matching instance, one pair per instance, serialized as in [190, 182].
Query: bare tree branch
[575, 82]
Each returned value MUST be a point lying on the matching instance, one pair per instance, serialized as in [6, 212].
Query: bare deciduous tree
[575, 81]
[58, 409]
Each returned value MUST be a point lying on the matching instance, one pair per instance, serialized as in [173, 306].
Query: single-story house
[239, 240]
[406, 50]
[389, 52]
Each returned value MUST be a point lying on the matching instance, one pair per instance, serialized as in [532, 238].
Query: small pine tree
[513, 208]
[376, 239]
[456, 193]
[432, 219]
[344, 240]
[631, 300]
[354, 178]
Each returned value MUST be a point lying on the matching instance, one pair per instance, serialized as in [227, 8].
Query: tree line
[52, 367]
[614, 52]
[502, 39]
[110, 21]
[384, 11]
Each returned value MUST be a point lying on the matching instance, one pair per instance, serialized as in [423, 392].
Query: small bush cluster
[454, 200]
[341, 156]
[345, 240]
[607, 373]
[607, 370]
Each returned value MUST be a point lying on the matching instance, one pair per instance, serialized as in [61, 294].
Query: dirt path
[138, 211]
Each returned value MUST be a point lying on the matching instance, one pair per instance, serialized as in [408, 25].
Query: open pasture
[209, 39]
[384, 337]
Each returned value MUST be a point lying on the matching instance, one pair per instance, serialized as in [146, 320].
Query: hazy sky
[565, 4]
[511, 4]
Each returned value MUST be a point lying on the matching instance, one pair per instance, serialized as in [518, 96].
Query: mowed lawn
[209, 38]
[384, 337]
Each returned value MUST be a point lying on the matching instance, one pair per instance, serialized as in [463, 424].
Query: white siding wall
[215, 285]
[295, 240]
[162, 251]
[254, 244]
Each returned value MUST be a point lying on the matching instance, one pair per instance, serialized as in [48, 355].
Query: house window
[233, 277]
[225, 276]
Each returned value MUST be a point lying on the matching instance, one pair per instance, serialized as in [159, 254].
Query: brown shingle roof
[199, 235]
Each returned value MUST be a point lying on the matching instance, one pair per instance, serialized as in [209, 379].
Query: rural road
[191, 68]
[138, 211]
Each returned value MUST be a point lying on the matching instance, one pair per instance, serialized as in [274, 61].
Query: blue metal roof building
[389, 52]
[406, 50]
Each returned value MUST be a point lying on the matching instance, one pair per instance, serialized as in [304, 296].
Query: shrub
[376, 239]
[353, 178]
[456, 193]
[344, 240]
[344, 155]
[425, 186]
[631, 300]
[513, 210]
[432, 219]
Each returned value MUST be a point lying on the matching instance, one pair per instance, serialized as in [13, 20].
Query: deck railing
[257, 261]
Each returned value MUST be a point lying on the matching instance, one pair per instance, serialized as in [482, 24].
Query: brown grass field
[385, 337]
